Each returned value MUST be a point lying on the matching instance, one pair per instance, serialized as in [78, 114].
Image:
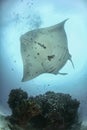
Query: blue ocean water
[20, 16]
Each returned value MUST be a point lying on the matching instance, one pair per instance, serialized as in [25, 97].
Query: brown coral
[24, 108]
[50, 111]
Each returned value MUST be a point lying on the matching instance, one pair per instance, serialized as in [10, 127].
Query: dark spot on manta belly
[35, 42]
[42, 45]
[50, 57]
[27, 72]
[28, 55]
[38, 53]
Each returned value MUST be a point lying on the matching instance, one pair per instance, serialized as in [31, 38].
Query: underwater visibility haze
[35, 30]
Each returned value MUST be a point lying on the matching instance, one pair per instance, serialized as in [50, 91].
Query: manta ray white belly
[44, 50]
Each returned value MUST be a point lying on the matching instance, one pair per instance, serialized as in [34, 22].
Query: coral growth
[59, 110]
[22, 108]
[50, 111]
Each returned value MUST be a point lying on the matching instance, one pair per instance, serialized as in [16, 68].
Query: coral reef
[58, 109]
[23, 109]
[50, 111]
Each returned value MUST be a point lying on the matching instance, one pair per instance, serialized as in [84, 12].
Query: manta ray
[44, 50]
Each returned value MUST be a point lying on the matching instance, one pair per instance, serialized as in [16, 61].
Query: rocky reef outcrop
[23, 109]
[50, 111]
